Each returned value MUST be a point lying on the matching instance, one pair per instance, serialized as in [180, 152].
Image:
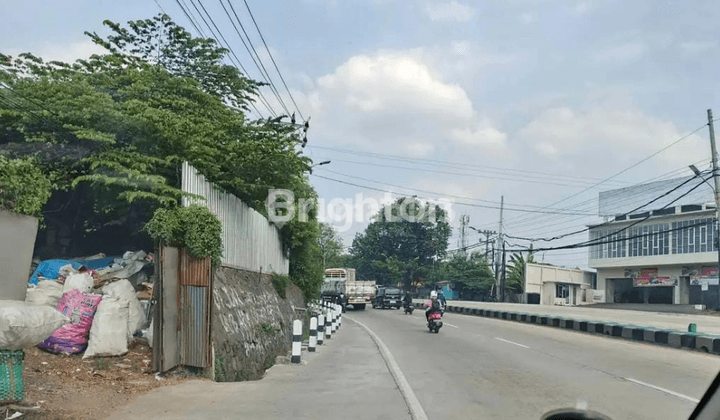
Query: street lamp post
[320, 164]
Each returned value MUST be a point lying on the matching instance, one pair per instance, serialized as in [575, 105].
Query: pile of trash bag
[96, 300]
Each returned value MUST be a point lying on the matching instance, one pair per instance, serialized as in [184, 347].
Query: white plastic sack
[80, 281]
[109, 331]
[25, 325]
[47, 293]
[125, 291]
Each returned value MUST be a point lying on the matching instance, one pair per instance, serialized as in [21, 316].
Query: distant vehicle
[388, 297]
[341, 287]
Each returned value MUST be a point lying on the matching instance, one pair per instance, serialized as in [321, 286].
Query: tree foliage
[24, 188]
[402, 241]
[121, 123]
[515, 275]
[471, 273]
[331, 246]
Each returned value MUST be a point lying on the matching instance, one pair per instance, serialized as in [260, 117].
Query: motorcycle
[409, 308]
[434, 322]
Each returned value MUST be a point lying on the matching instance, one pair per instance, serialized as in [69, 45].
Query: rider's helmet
[433, 295]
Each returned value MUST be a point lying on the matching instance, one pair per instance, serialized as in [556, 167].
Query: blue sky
[571, 92]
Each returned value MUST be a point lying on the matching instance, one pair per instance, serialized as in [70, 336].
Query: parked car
[388, 297]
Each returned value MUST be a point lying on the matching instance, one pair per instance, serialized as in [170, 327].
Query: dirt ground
[64, 387]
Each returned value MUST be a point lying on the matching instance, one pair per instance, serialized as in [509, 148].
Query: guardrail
[709, 343]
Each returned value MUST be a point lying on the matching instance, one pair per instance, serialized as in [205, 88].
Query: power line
[540, 228]
[188, 14]
[429, 198]
[260, 66]
[470, 167]
[271, 58]
[633, 165]
[608, 222]
[601, 240]
[527, 180]
[428, 192]
[582, 204]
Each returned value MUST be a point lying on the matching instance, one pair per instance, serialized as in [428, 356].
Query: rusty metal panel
[250, 241]
[195, 330]
[194, 271]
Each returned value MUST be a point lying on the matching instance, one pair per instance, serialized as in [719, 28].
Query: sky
[544, 103]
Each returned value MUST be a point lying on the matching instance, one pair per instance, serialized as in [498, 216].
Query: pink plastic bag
[72, 337]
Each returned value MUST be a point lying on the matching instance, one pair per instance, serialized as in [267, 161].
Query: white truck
[341, 287]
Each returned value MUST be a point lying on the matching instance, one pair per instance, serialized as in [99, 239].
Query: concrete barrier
[677, 339]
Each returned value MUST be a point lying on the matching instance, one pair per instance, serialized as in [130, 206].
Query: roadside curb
[411, 400]
[709, 343]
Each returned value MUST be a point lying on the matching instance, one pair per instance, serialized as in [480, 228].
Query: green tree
[330, 245]
[404, 237]
[515, 275]
[116, 127]
[470, 274]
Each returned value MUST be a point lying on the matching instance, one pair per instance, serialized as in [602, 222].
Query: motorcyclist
[433, 305]
[441, 298]
[407, 301]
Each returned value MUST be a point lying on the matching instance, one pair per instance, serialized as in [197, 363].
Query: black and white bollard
[334, 319]
[339, 316]
[328, 325]
[313, 334]
[320, 329]
[297, 341]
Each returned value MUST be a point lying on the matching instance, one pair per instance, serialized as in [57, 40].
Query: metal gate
[183, 309]
[195, 309]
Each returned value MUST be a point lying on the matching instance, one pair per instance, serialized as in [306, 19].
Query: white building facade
[668, 255]
[550, 285]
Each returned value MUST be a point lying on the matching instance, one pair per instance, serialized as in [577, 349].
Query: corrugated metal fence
[250, 242]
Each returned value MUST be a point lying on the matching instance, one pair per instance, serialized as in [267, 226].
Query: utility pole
[502, 282]
[464, 221]
[716, 178]
[500, 243]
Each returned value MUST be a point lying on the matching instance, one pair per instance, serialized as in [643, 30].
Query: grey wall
[251, 323]
[17, 240]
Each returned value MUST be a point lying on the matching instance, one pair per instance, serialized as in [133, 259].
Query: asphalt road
[481, 368]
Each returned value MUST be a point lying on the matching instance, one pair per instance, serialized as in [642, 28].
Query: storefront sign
[649, 277]
[710, 271]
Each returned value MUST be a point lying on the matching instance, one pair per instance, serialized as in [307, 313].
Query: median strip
[709, 343]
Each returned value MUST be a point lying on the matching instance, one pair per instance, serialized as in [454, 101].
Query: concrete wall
[251, 323]
[17, 240]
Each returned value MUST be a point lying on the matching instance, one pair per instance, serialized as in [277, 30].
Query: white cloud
[483, 135]
[623, 52]
[606, 137]
[527, 18]
[582, 7]
[449, 12]
[67, 53]
[396, 103]
[697, 47]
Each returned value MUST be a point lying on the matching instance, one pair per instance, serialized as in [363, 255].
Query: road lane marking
[512, 342]
[416, 410]
[667, 391]
[450, 325]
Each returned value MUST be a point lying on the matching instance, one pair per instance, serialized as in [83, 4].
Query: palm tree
[515, 277]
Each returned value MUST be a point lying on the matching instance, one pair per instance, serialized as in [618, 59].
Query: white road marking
[450, 325]
[667, 391]
[512, 342]
[416, 410]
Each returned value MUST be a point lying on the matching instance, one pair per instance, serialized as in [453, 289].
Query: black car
[388, 297]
